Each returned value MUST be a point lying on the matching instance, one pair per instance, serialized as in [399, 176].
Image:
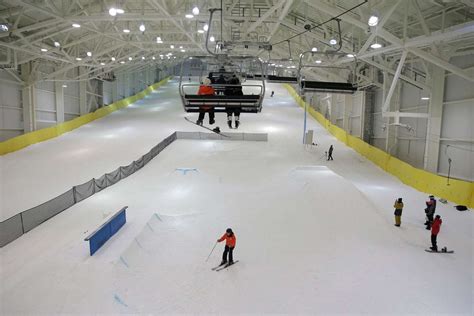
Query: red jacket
[435, 227]
[229, 240]
[205, 90]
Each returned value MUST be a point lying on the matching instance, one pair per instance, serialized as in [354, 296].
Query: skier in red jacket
[435, 227]
[230, 239]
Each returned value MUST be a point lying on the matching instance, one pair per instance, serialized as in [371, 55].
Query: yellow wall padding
[22, 141]
[458, 191]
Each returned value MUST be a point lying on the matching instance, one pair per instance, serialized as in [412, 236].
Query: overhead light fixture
[212, 39]
[373, 20]
[89, 54]
[425, 98]
[122, 62]
[56, 44]
[161, 55]
[113, 11]
[183, 51]
[195, 10]
[126, 30]
[153, 57]
[78, 58]
[205, 27]
[314, 49]
[64, 86]
[189, 16]
[130, 58]
[113, 58]
[200, 31]
[76, 25]
[190, 58]
[3, 28]
[120, 11]
[333, 41]
[44, 50]
[143, 57]
[350, 55]
[174, 57]
[103, 64]
[318, 61]
[181, 47]
[172, 46]
[142, 27]
[158, 39]
[376, 45]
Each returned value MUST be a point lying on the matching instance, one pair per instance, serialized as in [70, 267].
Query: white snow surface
[313, 237]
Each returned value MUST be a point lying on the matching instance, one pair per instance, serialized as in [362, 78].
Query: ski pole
[211, 251]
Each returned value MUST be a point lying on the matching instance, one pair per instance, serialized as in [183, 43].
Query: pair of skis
[224, 266]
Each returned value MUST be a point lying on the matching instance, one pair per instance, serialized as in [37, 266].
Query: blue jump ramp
[100, 236]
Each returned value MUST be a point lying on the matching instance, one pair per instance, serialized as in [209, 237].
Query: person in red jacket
[206, 89]
[435, 227]
[230, 239]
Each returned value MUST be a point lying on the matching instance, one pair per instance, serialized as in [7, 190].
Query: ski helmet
[228, 230]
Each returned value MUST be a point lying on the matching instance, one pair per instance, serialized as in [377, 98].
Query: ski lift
[281, 70]
[328, 60]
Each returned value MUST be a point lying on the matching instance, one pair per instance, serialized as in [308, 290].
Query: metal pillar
[82, 93]
[28, 97]
[59, 98]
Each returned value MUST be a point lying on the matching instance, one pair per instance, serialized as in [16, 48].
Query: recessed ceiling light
[181, 47]
[142, 27]
[189, 16]
[318, 61]
[56, 44]
[333, 41]
[143, 57]
[171, 46]
[44, 50]
[64, 86]
[376, 45]
[373, 20]
[153, 57]
[76, 25]
[126, 30]
[103, 64]
[212, 39]
[183, 50]
[425, 98]
[120, 11]
[314, 49]
[350, 55]
[130, 58]
[122, 62]
[195, 10]
[78, 58]
[112, 11]
[201, 31]
[205, 27]
[113, 58]
[89, 54]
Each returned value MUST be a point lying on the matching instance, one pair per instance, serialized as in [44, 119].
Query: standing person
[398, 212]
[330, 153]
[435, 228]
[273, 93]
[430, 211]
[230, 239]
[206, 89]
[235, 89]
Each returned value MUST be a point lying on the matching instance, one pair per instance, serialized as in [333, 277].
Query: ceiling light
[142, 27]
[76, 25]
[373, 20]
[314, 49]
[44, 50]
[425, 98]
[183, 50]
[56, 44]
[171, 46]
[158, 39]
[120, 11]
[126, 30]
[103, 64]
[190, 58]
[78, 58]
[3, 27]
[112, 11]
[212, 39]
[169, 57]
[89, 54]
[201, 31]
[130, 58]
[350, 55]
[122, 62]
[64, 86]
[113, 58]
[181, 47]
[174, 57]
[153, 57]
[205, 27]
[161, 55]
[318, 61]
[333, 41]
[376, 45]
[189, 16]
[195, 10]
[143, 57]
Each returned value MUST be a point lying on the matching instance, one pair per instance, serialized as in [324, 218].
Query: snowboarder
[430, 211]
[206, 89]
[398, 212]
[435, 227]
[330, 153]
[273, 93]
[229, 238]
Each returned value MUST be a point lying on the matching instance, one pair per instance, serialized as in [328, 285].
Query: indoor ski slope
[312, 236]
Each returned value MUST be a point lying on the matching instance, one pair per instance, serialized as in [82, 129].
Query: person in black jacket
[221, 81]
[330, 153]
[235, 88]
[430, 211]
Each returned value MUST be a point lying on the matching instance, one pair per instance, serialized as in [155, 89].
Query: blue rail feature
[98, 238]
